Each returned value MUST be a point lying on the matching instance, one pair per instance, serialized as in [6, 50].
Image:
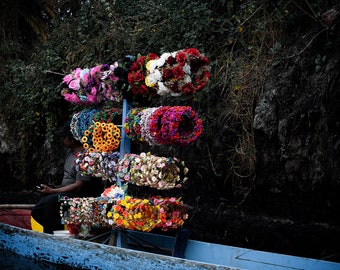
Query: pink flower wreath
[175, 125]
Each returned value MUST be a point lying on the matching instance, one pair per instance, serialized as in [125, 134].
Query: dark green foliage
[239, 37]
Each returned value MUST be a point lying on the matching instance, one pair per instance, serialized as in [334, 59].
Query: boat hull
[197, 255]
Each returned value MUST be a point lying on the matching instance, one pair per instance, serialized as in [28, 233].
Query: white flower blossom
[162, 89]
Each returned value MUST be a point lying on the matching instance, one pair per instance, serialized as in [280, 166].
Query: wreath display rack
[107, 144]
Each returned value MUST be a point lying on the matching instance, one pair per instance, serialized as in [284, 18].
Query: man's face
[68, 142]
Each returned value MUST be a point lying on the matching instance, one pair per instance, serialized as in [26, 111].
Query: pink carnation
[91, 99]
[77, 72]
[94, 71]
[67, 79]
[86, 78]
[73, 98]
[74, 84]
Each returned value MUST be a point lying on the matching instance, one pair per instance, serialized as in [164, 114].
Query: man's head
[65, 131]
[66, 134]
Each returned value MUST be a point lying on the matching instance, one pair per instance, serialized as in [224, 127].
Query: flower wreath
[98, 164]
[132, 126]
[136, 75]
[91, 86]
[171, 213]
[144, 123]
[148, 214]
[175, 125]
[107, 115]
[148, 170]
[101, 137]
[86, 211]
[181, 72]
[81, 121]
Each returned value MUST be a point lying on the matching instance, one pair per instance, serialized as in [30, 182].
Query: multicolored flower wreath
[93, 85]
[98, 164]
[148, 214]
[81, 121]
[136, 75]
[110, 115]
[144, 123]
[148, 170]
[178, 125]
[134, 214]
[86, 211]
[172, 214]
[132, 126]
[181, 72]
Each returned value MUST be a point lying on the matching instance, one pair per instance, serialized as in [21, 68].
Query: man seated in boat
[46, 211]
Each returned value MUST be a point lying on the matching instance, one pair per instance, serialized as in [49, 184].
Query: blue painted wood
[125, 143]
[238, 257]
[88, 255]
[197, 255]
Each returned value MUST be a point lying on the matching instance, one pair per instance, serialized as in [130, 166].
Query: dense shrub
[239, 37]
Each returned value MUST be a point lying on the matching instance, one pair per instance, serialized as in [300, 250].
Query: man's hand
[45, 189]
[69, 188]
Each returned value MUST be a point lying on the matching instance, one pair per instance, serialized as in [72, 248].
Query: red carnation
[174, 88]
[171, 60]
[206, 76]
[192, 51]
[141, 61]
[152, 56]
[167, 74]
[181, 58]
[205, 60]
[138, 76]
[188, 88]
[143, 89]
[178, 72]
[134, 66]
[201, 86]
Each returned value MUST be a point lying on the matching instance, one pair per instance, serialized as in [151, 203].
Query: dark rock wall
[297, 131]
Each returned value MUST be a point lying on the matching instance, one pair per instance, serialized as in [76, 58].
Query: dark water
[10, 260]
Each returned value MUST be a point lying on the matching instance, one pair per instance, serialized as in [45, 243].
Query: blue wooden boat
[138, 250]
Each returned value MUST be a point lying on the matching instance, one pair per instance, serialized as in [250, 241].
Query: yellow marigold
[137, 216]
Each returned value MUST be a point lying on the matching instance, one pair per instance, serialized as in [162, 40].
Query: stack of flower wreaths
[127, 213]
[165, 125]
[101, 139]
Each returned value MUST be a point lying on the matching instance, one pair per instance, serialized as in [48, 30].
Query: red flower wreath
[175, 125]
[136, 76]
